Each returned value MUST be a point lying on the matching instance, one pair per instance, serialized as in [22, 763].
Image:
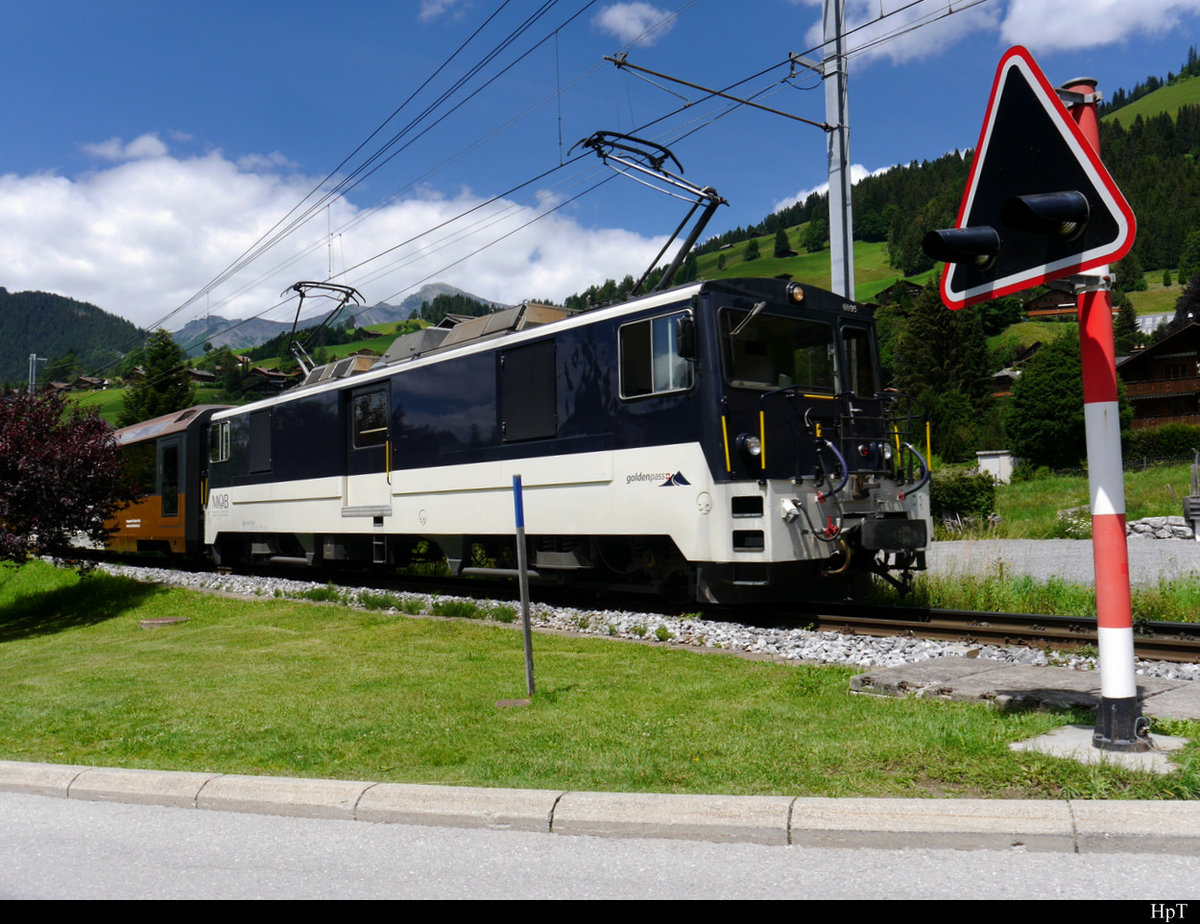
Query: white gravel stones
[777, 643]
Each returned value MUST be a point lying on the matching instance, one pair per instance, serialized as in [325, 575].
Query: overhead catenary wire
[383, 158]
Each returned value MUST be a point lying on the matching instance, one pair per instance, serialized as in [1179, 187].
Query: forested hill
[1155, 160]
[52, 326]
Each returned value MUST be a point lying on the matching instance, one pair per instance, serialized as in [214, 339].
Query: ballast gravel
[796, 645]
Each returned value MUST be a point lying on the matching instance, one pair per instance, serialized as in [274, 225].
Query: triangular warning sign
[1030, 145]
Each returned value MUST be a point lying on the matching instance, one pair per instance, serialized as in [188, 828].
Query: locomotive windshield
[763, 350]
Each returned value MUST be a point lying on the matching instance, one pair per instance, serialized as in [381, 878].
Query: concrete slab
[149, 787]
[1074, 742]
[269, 795]
[38, 779]
[1150, 827]
[911, 679]
[455, 806]
[1181, 702]
[756, 819]
[1020, 685]
[948, 823]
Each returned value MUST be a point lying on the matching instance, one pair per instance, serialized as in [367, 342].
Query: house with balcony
[1162, 381]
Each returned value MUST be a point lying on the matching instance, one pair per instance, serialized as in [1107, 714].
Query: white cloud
[902, 31]
[432, 9]
[857, 172]
[140, 237]
[907, 32]
[140, 148]
[1088, 23]
[265, 161]
[638, 23]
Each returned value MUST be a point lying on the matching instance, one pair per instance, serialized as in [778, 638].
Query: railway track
[1154, 641]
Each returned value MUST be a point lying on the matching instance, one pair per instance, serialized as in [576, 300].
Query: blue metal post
[523, 569]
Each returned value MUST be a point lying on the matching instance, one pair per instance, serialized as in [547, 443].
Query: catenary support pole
[1119, 718]
[523, 569]
[841, 222]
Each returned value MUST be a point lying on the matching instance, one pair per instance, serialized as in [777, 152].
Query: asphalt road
[63, 848]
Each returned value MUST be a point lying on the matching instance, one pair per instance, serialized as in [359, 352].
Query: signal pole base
[1118, 723]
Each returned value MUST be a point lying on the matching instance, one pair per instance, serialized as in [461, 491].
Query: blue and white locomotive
[722, 441]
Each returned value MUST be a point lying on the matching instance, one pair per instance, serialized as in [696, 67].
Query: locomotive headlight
[887, 452]
[749, 445]
[795, 292]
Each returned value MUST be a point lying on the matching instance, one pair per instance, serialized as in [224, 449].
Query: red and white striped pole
[1119, 718]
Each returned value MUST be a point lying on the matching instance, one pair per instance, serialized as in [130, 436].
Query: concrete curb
[1074, 826]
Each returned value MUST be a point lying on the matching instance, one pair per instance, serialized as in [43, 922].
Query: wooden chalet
[1051, 305]
[1163, 380]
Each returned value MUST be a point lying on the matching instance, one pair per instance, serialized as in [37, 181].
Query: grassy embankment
[1029, 510]
[284, 687]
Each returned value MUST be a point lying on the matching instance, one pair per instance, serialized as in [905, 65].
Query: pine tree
[1130, 276]
[164, 386]
[1126, 332]
[1045, 420]
[783, 247]
[942, 362]
[751, 251]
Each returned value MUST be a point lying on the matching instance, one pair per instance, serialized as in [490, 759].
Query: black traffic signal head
[1064, 214]
[978, 246]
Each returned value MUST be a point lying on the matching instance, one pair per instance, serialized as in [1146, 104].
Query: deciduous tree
[60, 475]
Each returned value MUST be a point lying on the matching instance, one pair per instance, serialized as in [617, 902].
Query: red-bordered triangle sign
[1030, 145]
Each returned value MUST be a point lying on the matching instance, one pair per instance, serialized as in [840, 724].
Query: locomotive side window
[528, 392]
[370, 419]
[860, 364]
[218, 442]
[769, 351]
[260, 441]
[651, 363]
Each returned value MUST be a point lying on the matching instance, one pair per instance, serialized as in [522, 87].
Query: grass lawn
[1029, 509]
[284, 687]
[1157, 299]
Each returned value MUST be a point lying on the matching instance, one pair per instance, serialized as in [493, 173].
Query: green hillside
[872, 272]
[1184, 91]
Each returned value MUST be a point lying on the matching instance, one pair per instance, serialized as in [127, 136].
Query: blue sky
[147, 145]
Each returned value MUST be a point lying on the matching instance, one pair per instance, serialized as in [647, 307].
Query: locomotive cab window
[860, 362]
[770, 351]
[218, 442]
[651, 356]
[370, 419]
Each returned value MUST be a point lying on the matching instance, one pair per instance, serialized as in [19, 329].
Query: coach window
[860, 364]
[370, 419]
[651, 363]
[168, 470]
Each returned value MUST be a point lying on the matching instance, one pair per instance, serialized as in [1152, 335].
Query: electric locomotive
[723, 441]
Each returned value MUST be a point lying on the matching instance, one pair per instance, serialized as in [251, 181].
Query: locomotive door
[367, 481]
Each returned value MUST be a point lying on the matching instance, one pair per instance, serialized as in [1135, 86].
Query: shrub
[1170, 441]
[962, 493]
